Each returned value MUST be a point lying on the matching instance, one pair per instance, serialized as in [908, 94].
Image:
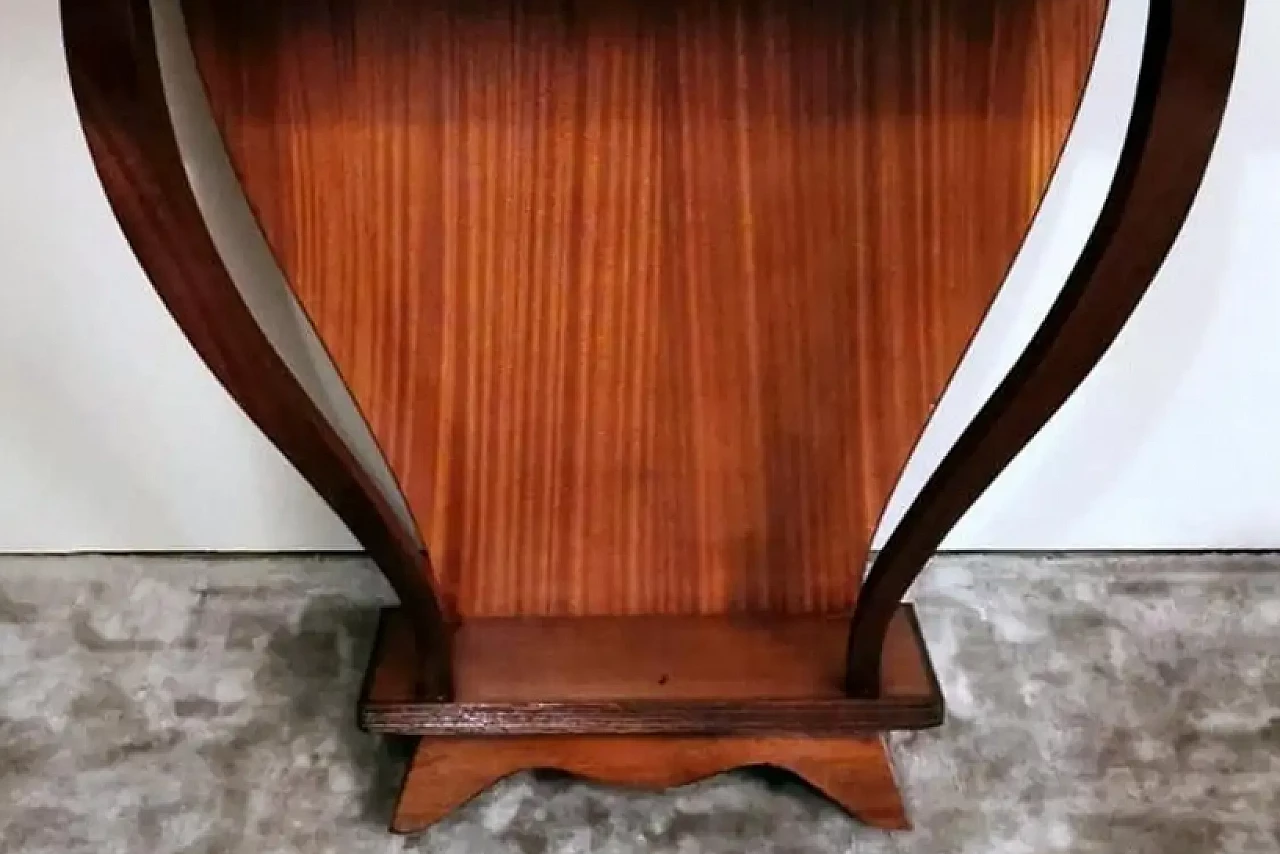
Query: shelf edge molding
[1188, 62]
[116, 82]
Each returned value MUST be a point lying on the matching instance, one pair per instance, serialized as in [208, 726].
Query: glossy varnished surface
[531, 659]
[645, 303]
[672, 676]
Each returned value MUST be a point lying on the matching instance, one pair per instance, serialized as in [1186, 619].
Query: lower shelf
[705, 676]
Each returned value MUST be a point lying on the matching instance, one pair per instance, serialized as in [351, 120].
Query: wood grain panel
[506, 659]
[646, 303]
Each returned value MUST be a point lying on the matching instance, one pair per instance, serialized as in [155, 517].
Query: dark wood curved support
[1187, 66]
[115, 76]
[446, 773]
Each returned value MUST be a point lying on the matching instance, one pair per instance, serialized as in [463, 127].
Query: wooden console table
[645, 305]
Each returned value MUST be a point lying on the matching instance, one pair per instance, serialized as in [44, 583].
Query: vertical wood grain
[645, 303]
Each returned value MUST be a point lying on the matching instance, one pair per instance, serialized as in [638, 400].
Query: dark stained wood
[1187, 67]
[115, 76]
[651, 675]
[645, 302]
[445, 773]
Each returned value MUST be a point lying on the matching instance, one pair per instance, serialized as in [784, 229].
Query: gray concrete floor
[206, 705]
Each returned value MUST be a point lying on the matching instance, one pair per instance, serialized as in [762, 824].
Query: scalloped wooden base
[447, 772]
[649, 702]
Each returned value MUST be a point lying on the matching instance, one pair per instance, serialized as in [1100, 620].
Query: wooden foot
[447, 772]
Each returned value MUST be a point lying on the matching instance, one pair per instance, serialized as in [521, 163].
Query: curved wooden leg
[445, 773]
[115, 77]
[1187, 66]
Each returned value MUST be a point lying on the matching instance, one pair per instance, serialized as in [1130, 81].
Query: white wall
[114, 437]
[1174, 441]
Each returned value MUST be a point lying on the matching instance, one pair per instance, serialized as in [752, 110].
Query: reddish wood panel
[445, 773]
[537, 659]
[645, 303]
[673, 675]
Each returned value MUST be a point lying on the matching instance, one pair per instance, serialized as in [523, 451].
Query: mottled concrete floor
[191, 705]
